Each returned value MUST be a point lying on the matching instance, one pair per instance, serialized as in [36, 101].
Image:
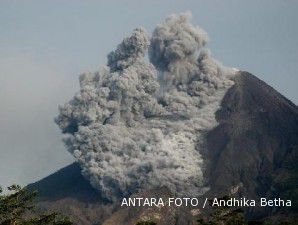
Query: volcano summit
[180, 124]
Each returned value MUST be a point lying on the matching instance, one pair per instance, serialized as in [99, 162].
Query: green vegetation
[17, 208]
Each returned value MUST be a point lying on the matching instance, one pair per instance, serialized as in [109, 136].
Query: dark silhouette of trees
[18, 208]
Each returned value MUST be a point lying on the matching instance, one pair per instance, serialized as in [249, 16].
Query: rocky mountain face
[255, 145]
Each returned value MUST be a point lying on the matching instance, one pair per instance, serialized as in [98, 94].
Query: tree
[17, 208]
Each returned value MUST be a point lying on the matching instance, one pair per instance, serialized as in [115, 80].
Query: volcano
[254, 145]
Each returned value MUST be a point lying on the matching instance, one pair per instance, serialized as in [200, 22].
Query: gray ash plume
[137, 124]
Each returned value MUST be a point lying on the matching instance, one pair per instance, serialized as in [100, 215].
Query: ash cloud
[137, 124]
[129, 51]
[176, 40]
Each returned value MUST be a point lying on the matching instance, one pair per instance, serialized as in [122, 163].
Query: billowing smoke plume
[136, 125]
[176, 42]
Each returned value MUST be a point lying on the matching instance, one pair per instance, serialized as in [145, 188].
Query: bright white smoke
[136, 125]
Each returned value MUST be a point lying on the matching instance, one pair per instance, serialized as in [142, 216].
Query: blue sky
[45, 45]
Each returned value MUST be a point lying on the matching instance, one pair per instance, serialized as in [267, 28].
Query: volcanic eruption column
[137, 124]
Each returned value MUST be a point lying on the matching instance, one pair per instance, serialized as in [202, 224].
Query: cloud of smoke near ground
[137, 124]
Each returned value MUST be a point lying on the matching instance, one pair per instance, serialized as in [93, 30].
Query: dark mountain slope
[68, 192]
[67, 182]
[255, 144]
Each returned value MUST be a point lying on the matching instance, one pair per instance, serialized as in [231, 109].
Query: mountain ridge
[254, 144]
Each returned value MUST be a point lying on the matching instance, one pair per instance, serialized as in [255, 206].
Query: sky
[45, 45]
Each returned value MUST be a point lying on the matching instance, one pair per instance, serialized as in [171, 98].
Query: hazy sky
[45, 45]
